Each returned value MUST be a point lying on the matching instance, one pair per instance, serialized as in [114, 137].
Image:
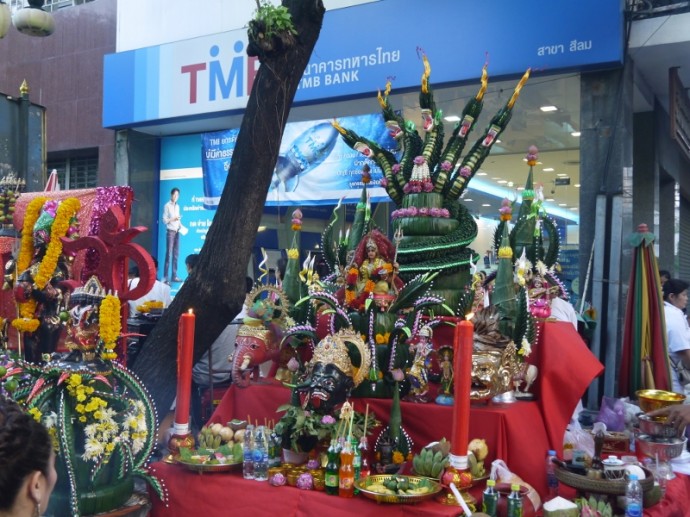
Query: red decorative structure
[113, 247]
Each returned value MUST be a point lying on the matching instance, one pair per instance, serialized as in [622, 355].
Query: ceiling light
[562, 175]
[261, 229]
[486, 204]
[548, 108]
[573, 208]
[452, 118]
[548, 169]
[499, 141]
[481, 174]
[549, 199]
[562, 204]
[521, 188]
[501, 182]
[575, 133]
[468, 199]
[510, 183]
[577, 185]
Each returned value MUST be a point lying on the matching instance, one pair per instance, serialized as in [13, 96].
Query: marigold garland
[109, 325]
[66, 210]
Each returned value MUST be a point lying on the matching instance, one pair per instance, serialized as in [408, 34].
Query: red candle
[462, 368]
[185, 350]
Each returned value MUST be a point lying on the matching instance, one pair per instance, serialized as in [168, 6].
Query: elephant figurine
[254, 346]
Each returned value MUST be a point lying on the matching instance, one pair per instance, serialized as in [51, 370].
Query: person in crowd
[664, 276]
[173, 224]
[677, 329]
[221, 354]
[159, 292]
[190, 262]
[27, 463]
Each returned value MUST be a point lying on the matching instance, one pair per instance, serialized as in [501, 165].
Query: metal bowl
[656, 399]
[652, 427]
[434, 487]
[665, 448]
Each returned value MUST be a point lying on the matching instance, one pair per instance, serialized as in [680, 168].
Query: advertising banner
[315, 167]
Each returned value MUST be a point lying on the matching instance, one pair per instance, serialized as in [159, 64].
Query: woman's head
[676, 292]
[27, 460]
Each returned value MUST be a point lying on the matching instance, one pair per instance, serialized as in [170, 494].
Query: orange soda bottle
[346, 478]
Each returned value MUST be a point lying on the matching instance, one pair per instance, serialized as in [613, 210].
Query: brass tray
[414, 481]
[209, 467]
[600, 486]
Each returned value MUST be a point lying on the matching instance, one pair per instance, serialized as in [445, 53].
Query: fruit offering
[400, 485]
[432, 459]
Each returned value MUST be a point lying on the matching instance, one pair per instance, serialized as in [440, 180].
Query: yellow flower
[36, 413]
[82, 419]
[398, 457]
[80, 408]
[74, 379]
[109, 447]
[109, 321]
[81, 397]
[293, 253]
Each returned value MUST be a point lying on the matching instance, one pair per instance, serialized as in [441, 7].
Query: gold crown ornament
[333, 350]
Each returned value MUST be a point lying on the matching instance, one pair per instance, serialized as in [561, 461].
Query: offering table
[520, 433]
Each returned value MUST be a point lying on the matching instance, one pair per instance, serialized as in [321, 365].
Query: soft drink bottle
[346, 474]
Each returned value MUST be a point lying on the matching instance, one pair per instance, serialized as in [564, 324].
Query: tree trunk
[216, 289]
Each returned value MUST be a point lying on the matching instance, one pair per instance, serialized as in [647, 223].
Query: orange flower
[398, 457]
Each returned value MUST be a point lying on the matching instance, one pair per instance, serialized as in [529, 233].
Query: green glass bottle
[332, 468]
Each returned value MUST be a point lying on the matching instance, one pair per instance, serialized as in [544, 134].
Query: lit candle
[462, 368]
[185, 351]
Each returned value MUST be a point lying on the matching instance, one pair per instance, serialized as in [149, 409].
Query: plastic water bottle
[247, 450]
[260, 455]
[490, 498]
[551, 479]
[633, 497]
[515, 501]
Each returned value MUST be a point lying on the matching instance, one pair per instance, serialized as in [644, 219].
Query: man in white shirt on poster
[173, 227]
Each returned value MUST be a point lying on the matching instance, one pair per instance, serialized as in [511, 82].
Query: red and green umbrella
[644, 362]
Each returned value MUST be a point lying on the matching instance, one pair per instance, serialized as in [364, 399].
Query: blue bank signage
[361, 47]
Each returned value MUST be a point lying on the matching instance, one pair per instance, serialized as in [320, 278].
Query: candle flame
[469, 316]
[190, 311]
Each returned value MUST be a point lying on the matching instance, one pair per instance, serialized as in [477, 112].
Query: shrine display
[99, 415]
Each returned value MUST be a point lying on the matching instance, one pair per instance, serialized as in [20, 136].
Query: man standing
[171, 219]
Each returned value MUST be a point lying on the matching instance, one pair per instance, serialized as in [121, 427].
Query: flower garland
[26, 321]
[109, 325]
[67, 209]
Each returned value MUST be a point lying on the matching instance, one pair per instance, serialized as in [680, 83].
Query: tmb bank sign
[360, 47]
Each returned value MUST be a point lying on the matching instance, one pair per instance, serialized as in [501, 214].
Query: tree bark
[216, 288]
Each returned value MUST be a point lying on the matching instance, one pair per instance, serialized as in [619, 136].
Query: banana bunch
[207, 439]
[429, 463]
[478, 451]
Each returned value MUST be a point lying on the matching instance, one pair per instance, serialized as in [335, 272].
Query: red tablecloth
[519, 433]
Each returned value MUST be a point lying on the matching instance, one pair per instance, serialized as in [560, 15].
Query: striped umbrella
[644, 362]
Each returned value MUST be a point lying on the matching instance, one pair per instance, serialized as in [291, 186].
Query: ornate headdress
[333, 350]
[371, 244]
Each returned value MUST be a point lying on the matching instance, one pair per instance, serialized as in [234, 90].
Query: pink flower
[424, 211]
[384, 182]
[327, 419]
[396, 168]
[446, 166]
[407, 188]
[412, 211]
[398, 374]
[465, 172]
[427, 186]
[435, 212]
[297, 214]
[445, 212]
[293, 364]
[419, 160]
